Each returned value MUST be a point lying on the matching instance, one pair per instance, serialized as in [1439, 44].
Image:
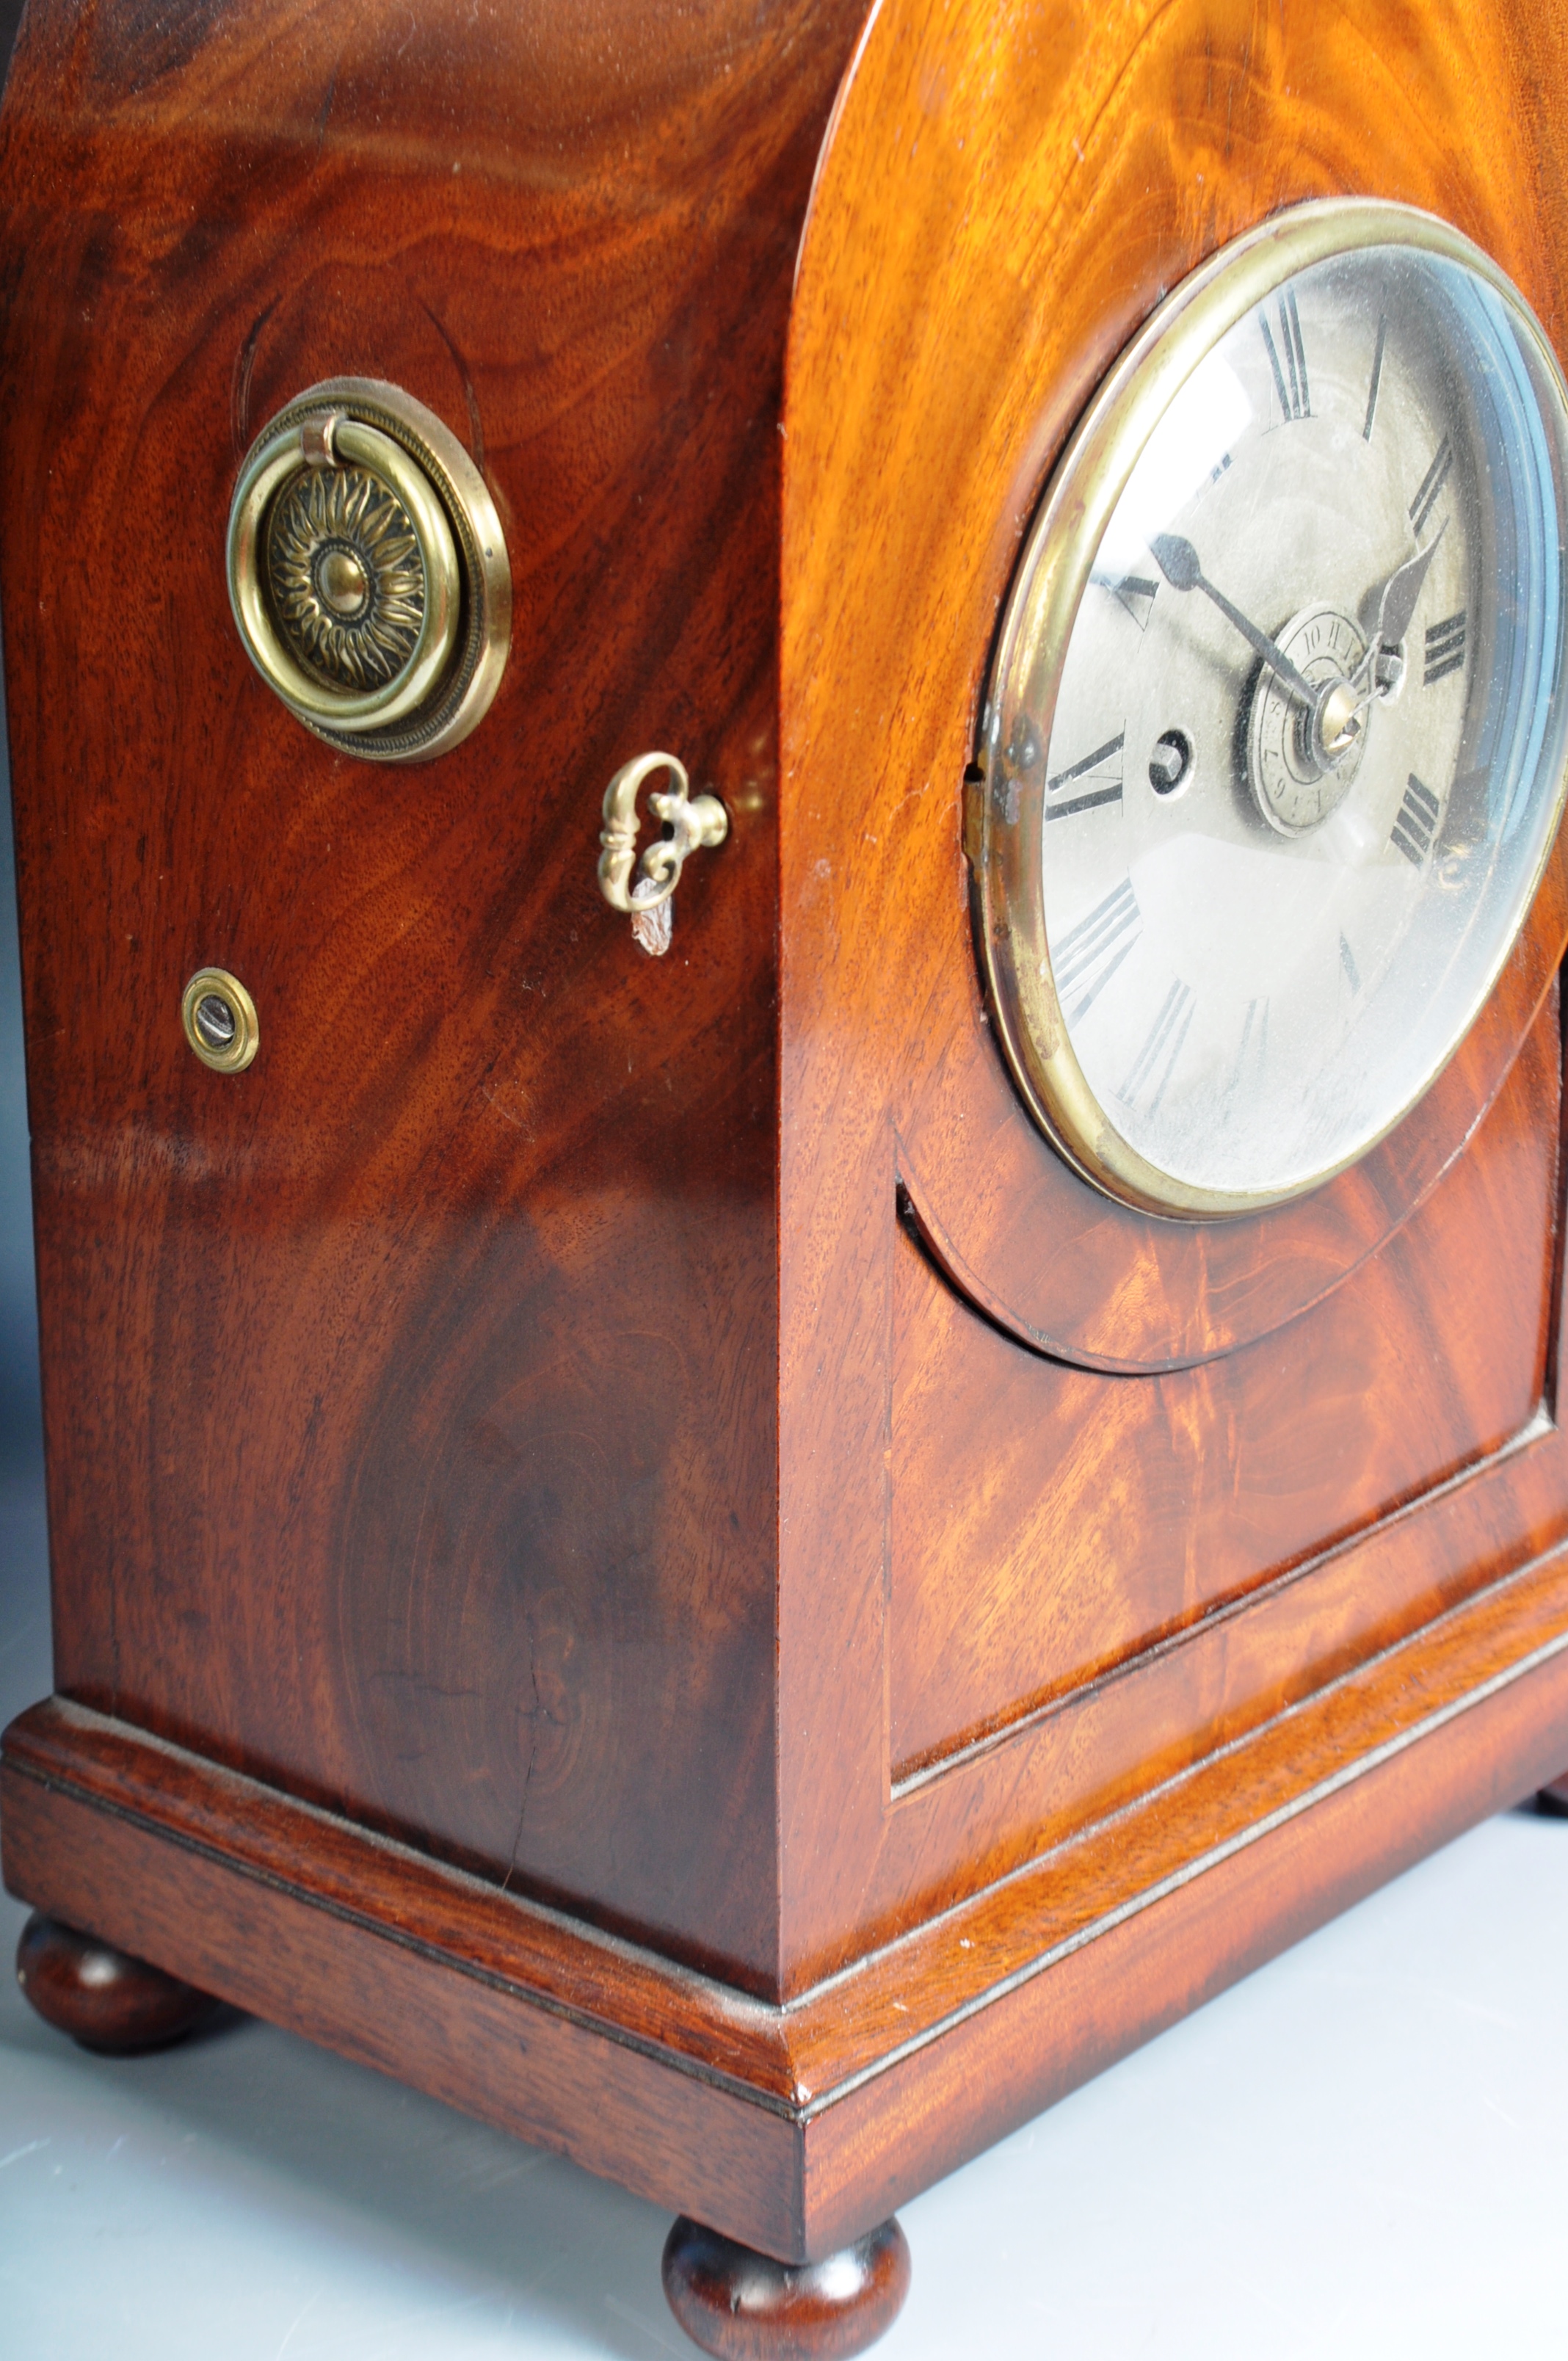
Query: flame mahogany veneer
[629, 1545]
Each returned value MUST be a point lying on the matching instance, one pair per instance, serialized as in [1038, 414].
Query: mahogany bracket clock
[789, 796]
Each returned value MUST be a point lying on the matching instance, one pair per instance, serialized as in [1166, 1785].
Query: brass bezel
[241, 1051]
[1042, 606]
[447, 686]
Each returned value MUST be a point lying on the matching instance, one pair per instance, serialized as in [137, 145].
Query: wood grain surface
[560, 1590]
[797, 2127]
[1005, 196]
[410, 1398]
[1088, 1520]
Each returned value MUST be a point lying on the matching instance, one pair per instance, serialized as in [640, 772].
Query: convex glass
[1274, 749]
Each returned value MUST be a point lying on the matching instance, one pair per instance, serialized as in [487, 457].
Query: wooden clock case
[628, 1545]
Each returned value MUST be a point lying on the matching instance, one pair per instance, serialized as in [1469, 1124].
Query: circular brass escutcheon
[368, 572]
[219, 1018]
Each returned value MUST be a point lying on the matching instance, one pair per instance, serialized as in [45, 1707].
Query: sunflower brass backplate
[368, 572]
[692, 820]
[219, 1018]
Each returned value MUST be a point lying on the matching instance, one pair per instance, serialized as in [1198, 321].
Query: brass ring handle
[368, 572]
[269, 467]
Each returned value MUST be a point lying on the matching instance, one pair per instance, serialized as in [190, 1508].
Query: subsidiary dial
[1304, 752]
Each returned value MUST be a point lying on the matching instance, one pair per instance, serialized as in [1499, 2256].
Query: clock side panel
[1052, 1529]
[410, 1396]
[1032, 187]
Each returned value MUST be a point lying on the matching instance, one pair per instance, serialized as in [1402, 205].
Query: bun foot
[101, 1997]
[745, 2307]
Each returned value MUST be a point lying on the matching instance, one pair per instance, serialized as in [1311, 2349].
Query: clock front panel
[1173, 897]
[1272, 759]
[1099, 1525]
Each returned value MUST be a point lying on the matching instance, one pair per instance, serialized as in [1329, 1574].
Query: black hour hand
[1177, 561]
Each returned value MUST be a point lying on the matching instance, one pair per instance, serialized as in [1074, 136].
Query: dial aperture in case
[1316, 513]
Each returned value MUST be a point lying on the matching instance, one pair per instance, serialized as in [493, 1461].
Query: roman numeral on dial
[1156, 1060]
[1445, 649]
[1134, 592]
[1289, 380]
[1417, 824]
[1376, 378]
[1252, 1052]
[1347, 961]
[1431, 484]
[1100, 774]
[1089, 954]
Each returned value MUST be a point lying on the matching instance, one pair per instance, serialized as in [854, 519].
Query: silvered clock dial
[1274, 746]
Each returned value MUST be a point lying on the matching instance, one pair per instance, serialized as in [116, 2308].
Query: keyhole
[216, 1021]
[1170, 761]
[218, 1017]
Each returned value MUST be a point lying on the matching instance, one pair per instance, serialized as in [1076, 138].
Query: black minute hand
[1177, 561]
[1400, 593]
